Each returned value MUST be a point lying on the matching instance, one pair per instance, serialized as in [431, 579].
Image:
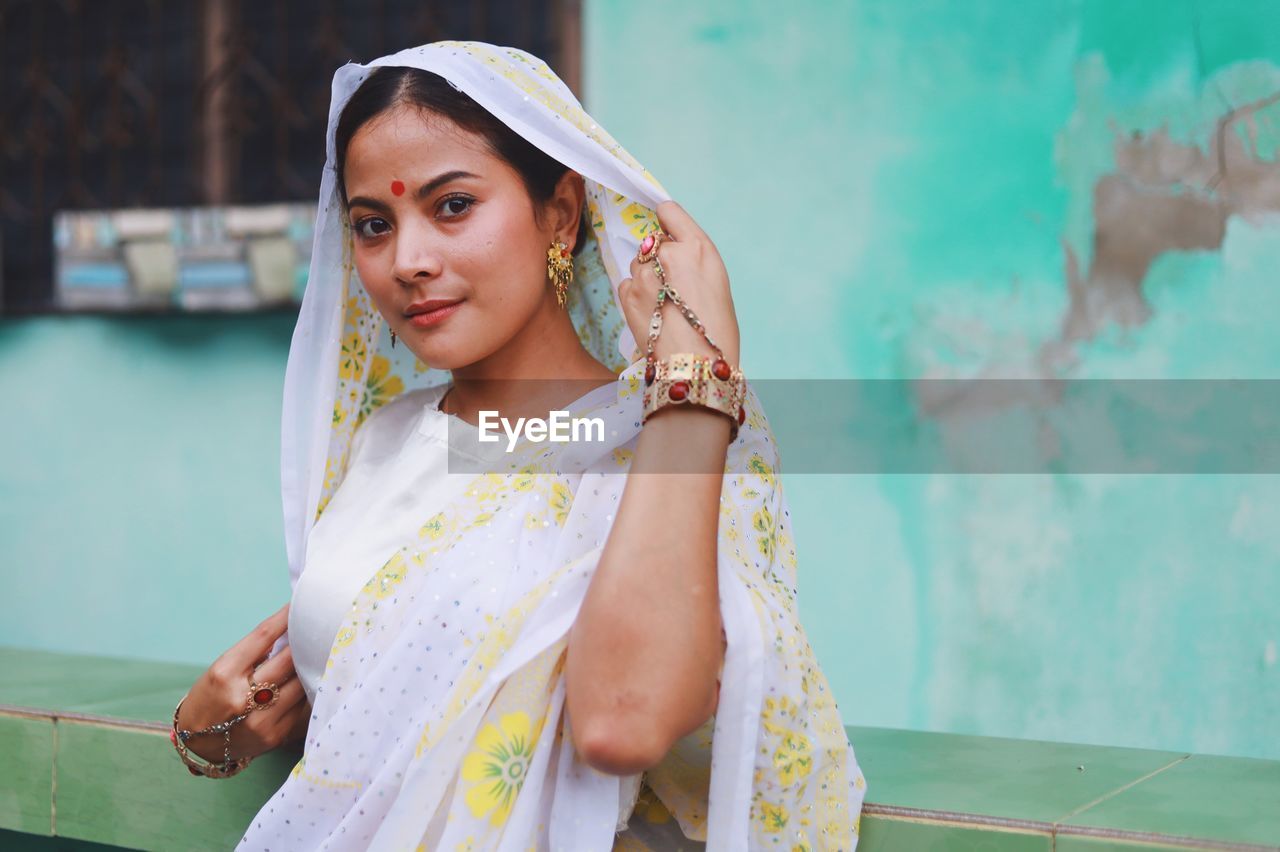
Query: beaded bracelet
[198, 765]
[687, 378]
[261, 696]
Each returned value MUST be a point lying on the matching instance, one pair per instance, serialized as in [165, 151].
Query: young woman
[581, 645]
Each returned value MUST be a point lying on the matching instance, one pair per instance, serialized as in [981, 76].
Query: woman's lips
[430, 318]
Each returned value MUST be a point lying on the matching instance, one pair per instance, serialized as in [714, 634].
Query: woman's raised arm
[648, 641]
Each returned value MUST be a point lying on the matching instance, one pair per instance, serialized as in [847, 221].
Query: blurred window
[154, 107]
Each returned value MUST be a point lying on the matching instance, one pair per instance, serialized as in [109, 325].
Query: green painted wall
[139, 482]
[892, 185]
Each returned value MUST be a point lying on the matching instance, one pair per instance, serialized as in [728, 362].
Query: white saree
[439, 721]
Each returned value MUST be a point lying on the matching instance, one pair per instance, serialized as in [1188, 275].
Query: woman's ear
[566, 207]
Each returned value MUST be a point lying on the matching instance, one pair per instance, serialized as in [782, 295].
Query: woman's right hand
[222, 693]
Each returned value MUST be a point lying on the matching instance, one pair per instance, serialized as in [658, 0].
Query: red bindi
[397, 187]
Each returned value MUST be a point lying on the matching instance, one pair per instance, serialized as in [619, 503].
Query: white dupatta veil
[439, 721]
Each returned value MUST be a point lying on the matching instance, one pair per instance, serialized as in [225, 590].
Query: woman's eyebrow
[421, 193]
[439, 181]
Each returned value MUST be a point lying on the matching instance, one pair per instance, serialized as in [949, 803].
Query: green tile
[124, 786]
[110, 686]
[1225, 799]
[128, 788]
[26, 785]
[1079, 843]
[1012, 779]
[881, 834]
[140, 706]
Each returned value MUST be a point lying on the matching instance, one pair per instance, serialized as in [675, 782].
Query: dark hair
[391, 86]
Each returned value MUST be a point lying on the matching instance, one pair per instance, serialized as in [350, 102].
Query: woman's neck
[543, 368]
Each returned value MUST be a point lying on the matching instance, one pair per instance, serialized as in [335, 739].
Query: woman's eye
[372, 227]
[448, 206]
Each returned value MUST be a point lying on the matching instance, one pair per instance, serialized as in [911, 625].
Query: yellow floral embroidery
[623, 457]
[381, 386]
[762, 520]
[353, 353]
[354, 310]
[299, 771]
[793, 754]
[757, 465]
[497, 765]
[481, 520]
[338, 413]
[326, 490]
[773, 817]
[561, 499]
[793, 757]
[593, 213]
[526, 478]
[487, 487]
[640, 219]
[390, 575]
[632, 386]
[776, 709]
[345, 637]
[787, 545]
[435, 527]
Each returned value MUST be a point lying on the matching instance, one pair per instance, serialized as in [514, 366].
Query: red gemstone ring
[649, 246]
[262, 695]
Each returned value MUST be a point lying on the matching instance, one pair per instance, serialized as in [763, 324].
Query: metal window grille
[108, 104]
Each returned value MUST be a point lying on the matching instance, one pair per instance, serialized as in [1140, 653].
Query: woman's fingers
[291, 692]
[276, 669]
[281, 718]
[631, 312]
[255, 646]
[280, 671]
[678, 223]
[270, 727]
[222, 693]
[237, 663]
[297, 723]
[644, 277]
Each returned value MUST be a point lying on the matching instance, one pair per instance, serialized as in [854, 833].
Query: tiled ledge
[86, 756]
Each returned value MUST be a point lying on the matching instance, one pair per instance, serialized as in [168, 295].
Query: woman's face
[435, 216]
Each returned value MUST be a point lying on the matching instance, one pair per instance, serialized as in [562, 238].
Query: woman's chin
[438, 357]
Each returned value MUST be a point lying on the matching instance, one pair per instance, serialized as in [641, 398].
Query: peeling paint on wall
[1086, 189]
[1165, 196]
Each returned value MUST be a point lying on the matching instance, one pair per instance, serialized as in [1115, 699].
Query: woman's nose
[416, 256]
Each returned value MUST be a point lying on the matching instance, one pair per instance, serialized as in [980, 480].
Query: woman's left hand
[696, 272]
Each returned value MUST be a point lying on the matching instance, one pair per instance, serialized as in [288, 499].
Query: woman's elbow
[624, 745]
[618, 746]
